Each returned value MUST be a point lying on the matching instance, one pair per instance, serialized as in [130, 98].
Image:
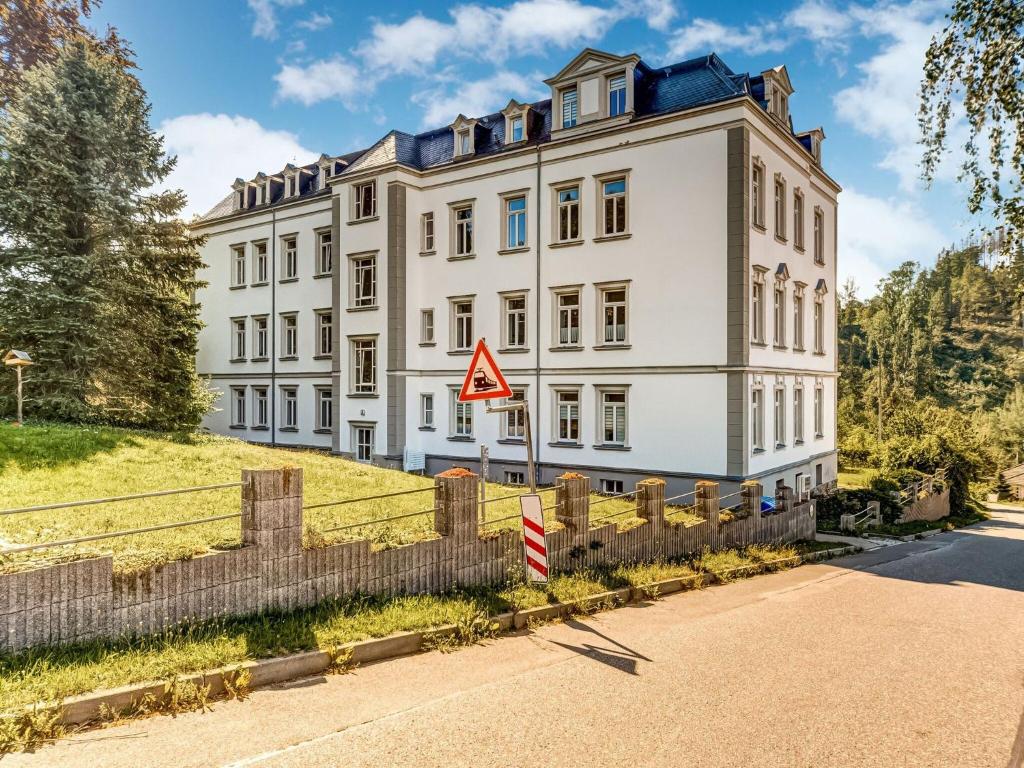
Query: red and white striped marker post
[534, 543]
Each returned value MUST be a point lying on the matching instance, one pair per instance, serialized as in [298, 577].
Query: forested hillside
[932, 367]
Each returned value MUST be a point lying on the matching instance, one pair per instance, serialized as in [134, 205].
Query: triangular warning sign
[483, 379]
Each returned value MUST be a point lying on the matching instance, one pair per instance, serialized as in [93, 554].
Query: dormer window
[463, 136]
[516, 129]
[570, 108]
[240, 199]
[777, 89]
[465, 142]
[616, 95]
[516, 126]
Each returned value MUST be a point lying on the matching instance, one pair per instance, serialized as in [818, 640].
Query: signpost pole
[529, 448]
[484, 467]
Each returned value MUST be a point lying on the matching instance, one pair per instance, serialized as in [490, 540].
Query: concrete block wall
[82, 600]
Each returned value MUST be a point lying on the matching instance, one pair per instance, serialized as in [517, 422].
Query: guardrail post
[707, 500]
[650, 498]
[572, 494]
[272, 510]
[456, 509]
[750, 493]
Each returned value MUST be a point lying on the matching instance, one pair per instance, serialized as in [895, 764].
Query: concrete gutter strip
[92, 706]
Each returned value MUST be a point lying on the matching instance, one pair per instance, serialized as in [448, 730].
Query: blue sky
[239, 86]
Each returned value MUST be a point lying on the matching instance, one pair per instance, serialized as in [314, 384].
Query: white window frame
[460, 421]
[571, 210]
[238, 266]
[359, 382]
[289, 335]
[513, 121]
[289, 257]
[362, 451]
[260, 337]
[819, 235]
[428, 331]
[757, 418]
[779, 414]
[620, 220]
[779, 192]
[512, 220]
[324, 402]
[239, 342]
[514, 321]
[427, 410]
[515, 477]
[567, 312]
[364, 200]
[562, 401]
[324, 333]
[798, 414]
[758, 311]
[569, 107]
[428, 233]
[798, 318]
[238, 406]
[324, 252]
[798, 219]
[779, 313]
[513, 423]
[463, 239]
[603, 305]
[261, 263]
[462, 324]
[612, 82]
[757, 193]
[819, 411]
[603, 392]
[260, 408]
[819, 323]
[290, 407]
[361, 264]
[464, 142]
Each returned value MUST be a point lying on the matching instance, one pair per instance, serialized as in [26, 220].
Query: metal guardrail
[366, 523]
[341, 502]
[115, 499]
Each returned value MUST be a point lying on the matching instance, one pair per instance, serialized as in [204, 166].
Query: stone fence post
[272, 511]
[650, 500]
[456, 510]
[572, 494]
[784, 499]
[750, 493]
[707, 500]
[876, 512]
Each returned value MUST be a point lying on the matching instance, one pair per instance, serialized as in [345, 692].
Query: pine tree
[96, 271]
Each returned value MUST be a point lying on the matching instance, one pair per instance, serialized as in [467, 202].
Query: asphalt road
[905, 656]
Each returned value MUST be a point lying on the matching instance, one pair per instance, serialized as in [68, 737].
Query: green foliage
[96, 270]
[975, 64]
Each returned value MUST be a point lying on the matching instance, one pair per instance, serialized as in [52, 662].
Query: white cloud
[706, 35]
[878, 234]
[213, 150]
[264, 23]
[821, 23]
[476, 98]
[409, 46]
[326, 79]
[658, 13]
[315, 22]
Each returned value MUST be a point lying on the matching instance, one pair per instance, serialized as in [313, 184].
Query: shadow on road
[620, 657]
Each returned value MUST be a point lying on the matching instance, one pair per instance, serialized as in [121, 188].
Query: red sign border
[504, 389]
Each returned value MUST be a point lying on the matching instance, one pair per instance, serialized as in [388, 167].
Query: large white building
[651, 254]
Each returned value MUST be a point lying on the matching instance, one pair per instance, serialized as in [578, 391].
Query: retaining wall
[271, 571]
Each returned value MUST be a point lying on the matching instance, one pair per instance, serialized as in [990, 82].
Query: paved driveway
[904, 656]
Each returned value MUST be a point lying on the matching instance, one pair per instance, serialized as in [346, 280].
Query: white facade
[665, 367]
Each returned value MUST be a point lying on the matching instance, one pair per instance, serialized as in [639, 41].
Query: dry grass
[44, 464]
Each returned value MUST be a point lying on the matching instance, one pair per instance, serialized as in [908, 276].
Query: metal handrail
[610, 498]
[482, 502]
[380, 520]
[729, 496]
[113, 499]
[617, 514]
[680, 496]
[368, 498]
[116, 534]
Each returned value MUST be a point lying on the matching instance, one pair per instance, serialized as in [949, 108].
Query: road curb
[91, 707]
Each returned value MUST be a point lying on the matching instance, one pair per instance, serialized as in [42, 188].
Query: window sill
[819, 263]
[758, 227]
[759, 344]
[798, 442]
[518, 249]
[565, 243]
[799, 350]
[565, 445]
[288, 280]
[513, 350]
[287, 429]
[364, 220]
[462, 438]
[612, 238]
[602, 447]
[567, 348]
[511, 441]
[363, 309]
[780, 347]
[428, 343]
[757, 451]
[237, 426]
[322, 275]
[819, 354]
[288, 358]
[238, 360]
[428, 429]
[236, 287]
[781, 239]
[328, 356]
[261, 284]
[462, 257]
[602, 347]
[428, 253]
[780, 446]
[323, 431]
[260, 428]
[799, 248]
[260, 360]
[819, 437]
[460, 352]
[363, 395]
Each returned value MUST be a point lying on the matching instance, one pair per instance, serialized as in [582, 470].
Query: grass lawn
[52, 674]
[974, 513]
[49, 463]
[855, 477]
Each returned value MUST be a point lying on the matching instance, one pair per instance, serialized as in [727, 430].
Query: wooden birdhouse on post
[17, 360]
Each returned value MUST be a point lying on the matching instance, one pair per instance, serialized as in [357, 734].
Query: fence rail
[340, 502]
[115, 499]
